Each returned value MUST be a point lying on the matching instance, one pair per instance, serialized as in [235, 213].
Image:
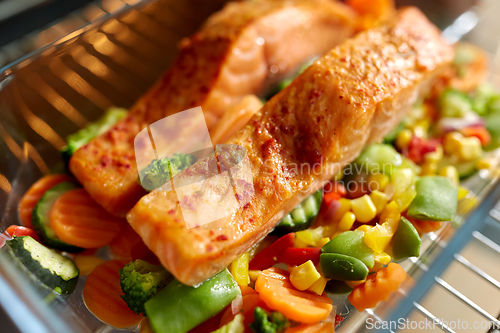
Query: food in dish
[350, 97]
[230, 57]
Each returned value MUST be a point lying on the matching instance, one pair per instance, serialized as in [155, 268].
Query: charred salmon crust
[351, 96]
[228, 58]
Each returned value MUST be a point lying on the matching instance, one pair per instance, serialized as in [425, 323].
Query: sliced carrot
[86, 264]
[275, 289]
[377, 287]
[250, 302]
[246, 290]
[424, 227]
[479, 132]
[123, 244]
[35, 193]
[102, 295]
[78, 220]
[312, 328]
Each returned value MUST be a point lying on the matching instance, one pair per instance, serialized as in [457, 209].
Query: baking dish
[50, 94]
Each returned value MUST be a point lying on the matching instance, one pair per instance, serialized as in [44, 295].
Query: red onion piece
[237, 304]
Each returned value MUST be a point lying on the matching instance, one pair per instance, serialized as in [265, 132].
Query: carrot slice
[86, 264]
[377, 287]
[275, 289]
[102, 295]
[35, 193]
[123, 244]
[78, 220]
[312, 328]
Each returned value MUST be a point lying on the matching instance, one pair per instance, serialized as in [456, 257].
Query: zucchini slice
[40, 218]
[53, 269]
[302, 216]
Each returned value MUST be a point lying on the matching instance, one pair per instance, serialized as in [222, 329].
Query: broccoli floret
[140, 281]
[83, 136]
[274, 322]
[158, 172]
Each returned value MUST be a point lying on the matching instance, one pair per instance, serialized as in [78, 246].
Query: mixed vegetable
[343, 239]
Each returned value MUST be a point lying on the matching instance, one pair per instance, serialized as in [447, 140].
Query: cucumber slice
[53, 269]
[302, 216]
[40, 218]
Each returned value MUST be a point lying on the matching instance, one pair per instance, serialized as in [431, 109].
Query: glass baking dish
[58, 89]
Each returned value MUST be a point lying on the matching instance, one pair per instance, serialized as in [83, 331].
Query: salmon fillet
[303, 136]
[234, 54]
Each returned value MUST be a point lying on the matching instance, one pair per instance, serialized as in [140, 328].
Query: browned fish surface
[351, 96]
[230, 57]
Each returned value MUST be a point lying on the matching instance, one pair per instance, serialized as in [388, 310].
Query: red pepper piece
[271, 254]
[17, 230]
[335, 191]
[297, 256]
[419, 147]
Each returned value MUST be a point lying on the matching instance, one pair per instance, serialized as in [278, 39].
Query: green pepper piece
[351, 243]
[379, 158]
[406, 241]
[342, 267]
[337, 287]
[436, 199]
[178, 308]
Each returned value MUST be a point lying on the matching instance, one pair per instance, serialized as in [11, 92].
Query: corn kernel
[451, 173]
[378, 182]
[451, 142]
[319, 286]
[462, 192]
[364, 209]
[484, 163]
[379, 199]
[345, 206]
[435, 156]
[347, 221]
[364, 227]
[470, 148]
[254, 274]
[429, 169]
[304, 276]
[403, 138]
[419, 132]
[322, 242]
[354, 284]
[382, 258]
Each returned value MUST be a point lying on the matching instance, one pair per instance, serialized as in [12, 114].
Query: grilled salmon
[302, 137]
[235, 53]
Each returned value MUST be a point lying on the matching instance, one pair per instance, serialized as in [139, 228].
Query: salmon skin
[301, 138]
[231, 56]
